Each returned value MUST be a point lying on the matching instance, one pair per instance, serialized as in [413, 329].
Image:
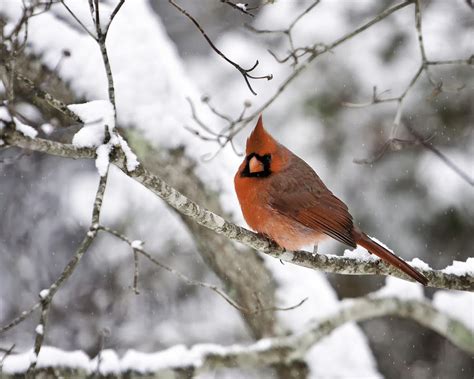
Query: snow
[39, 329]
[24, 129]
[297, 283]
[418, 263]
[109, 363]
[150, 97]
[137, 244]
[360, 254]
[33, 357]
[102, 161]
[459, 305]
[4, 114]
[461, 268]
[47, 128]
[149, 362]
[130, 157]
[96, 115]
[150, 81]
[44, 293]
[132, 361]
[89, 136]
[241, 6]
[48, 357]
[400, 289]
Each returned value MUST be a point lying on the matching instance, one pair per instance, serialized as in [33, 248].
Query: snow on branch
[460, 280]
[180, 360]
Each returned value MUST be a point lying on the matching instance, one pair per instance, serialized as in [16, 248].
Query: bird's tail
[373, 247]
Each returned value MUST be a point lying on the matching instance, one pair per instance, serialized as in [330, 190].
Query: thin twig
[312, 57]
[101, 39]
[47, 295]
[393, 143]
[288, 32]
[316, 50]
[468, 61]
[40, 332]
[246, 73]
[19, 319]
[112, 16]
[428, 145]
[78, 20]
[41, 94]
[135, 272]
[193, 282]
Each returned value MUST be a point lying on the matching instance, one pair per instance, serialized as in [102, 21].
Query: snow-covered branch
[180, 360]
[234, 267]
[460, 280]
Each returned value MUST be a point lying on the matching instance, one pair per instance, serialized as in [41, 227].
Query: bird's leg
[315, 248]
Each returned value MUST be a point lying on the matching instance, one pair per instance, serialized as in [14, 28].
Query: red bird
[283, 198]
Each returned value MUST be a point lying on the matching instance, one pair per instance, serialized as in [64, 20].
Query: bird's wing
[301, 195]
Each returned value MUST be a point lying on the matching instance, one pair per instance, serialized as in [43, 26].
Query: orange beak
[255, 165]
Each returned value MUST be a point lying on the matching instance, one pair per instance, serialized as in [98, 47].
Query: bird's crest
[260, 141]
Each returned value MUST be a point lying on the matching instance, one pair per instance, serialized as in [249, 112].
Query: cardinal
[284, 199]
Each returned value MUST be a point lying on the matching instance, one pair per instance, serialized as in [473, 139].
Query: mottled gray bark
[243, 273]
[214, 222]
[293, 348]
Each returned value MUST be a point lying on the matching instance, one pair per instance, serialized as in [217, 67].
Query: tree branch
[47, 295]
[234, 267]
[312, 52]
[138, 249]
[269, 351]
[327, 263]
[245, 72]
[392, 144]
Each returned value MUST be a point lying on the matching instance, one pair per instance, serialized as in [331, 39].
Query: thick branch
[204, 358]
[200, 215]
[234, 267]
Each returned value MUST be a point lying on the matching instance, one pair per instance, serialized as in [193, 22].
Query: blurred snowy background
[409, 199]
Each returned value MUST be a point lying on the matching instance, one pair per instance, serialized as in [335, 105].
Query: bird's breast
[254, 200]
